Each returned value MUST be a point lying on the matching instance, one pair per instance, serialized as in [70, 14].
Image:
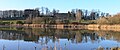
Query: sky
[108, 6]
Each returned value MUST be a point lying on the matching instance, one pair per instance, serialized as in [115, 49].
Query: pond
[54, 39]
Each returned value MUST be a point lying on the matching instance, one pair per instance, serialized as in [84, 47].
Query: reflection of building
[11, 35]
[52, 38]
[107, 48]
[53, 34]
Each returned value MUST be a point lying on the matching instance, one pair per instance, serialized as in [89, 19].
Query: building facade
[31, 13]
[64, 16]
[12, 13]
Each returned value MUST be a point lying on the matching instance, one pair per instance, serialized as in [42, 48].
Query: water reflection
[53, 39]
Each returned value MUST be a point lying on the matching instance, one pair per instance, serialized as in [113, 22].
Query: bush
[114, 20]
[6, 23]
[12, 23]
[66, 21]
[102, 21]
[41, 20]
[28, 20]
[19, 22]
[38, 20]
[110, 20]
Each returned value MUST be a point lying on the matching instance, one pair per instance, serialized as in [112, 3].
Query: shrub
[38, 20]
[28, 20]
[19, 22]
[102, 21]
[109, 20]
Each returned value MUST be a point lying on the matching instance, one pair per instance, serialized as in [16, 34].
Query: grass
[11, 21]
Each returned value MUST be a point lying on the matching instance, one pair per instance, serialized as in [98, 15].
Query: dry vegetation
[104, 20]
[39, 20]
[109, 20]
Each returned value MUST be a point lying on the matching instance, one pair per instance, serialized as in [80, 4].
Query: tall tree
[73, 11]
[47, 11]
[42, 9]
[107, 14]
[102, 14]
[54, 12]
[79, 14]
[92, 15]
[69, 14]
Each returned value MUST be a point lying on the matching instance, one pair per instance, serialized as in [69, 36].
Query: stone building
[31, 13]
[64, 16]
[12, 13]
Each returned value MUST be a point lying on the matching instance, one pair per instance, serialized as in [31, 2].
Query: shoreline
[77, 26]
[69, 26]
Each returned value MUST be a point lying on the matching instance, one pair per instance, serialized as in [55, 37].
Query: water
[53, 39]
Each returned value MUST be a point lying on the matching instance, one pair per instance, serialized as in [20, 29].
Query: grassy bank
[109, 20]
[8, 22]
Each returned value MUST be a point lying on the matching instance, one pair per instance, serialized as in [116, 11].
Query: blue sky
[110, 6]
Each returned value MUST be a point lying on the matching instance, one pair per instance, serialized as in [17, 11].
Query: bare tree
[29, 20]
[86, 14]
[92, 15]
[102, 14]
[42, 9]
[47, 11]
[54, 12]
[73, 11]
[69, 14]
[79, 14]
[107, 14]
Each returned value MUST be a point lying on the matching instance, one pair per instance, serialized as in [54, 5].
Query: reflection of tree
[44, 40]
[75, 36]
[11, 35]
[85, 37]
[32, 38]
[78, 37]
[44, 36]
[90, 36]
[110, 35]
